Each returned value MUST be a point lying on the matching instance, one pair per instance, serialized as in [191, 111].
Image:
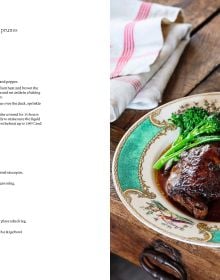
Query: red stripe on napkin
[134, 82]
[129, 43]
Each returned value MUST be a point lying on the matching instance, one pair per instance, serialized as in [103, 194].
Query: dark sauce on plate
[161, 178]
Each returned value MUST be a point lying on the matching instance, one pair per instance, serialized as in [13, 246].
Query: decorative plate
[134, 177]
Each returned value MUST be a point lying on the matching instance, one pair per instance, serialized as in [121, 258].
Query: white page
[37, 55]
[58, 189]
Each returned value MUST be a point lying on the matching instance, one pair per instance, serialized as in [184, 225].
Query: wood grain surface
[198, 71]
[209, 84]
[196, 12]
[199, 59]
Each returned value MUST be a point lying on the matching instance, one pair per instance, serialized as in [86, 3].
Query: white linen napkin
[147, 41]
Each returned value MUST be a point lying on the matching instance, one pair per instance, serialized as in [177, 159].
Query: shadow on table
[124, 270]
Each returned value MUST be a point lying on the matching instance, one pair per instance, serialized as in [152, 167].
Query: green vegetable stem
[196, 127]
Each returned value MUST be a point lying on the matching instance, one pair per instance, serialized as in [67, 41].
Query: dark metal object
[162, 254]
[162, 247]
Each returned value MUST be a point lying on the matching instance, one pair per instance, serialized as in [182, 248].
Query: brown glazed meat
[195, 180]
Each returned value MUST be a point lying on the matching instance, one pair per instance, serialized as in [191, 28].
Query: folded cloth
[147, 41]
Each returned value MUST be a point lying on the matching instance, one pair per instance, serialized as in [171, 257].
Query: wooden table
[198, 71]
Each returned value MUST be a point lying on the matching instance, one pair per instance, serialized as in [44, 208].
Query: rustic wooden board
[129, 238]
[116, 135]
[124, 120]
[200, 58]
[195, 11]
[210, 84]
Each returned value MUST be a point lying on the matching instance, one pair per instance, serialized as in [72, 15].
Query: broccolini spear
[188, 120]
[196, 127]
